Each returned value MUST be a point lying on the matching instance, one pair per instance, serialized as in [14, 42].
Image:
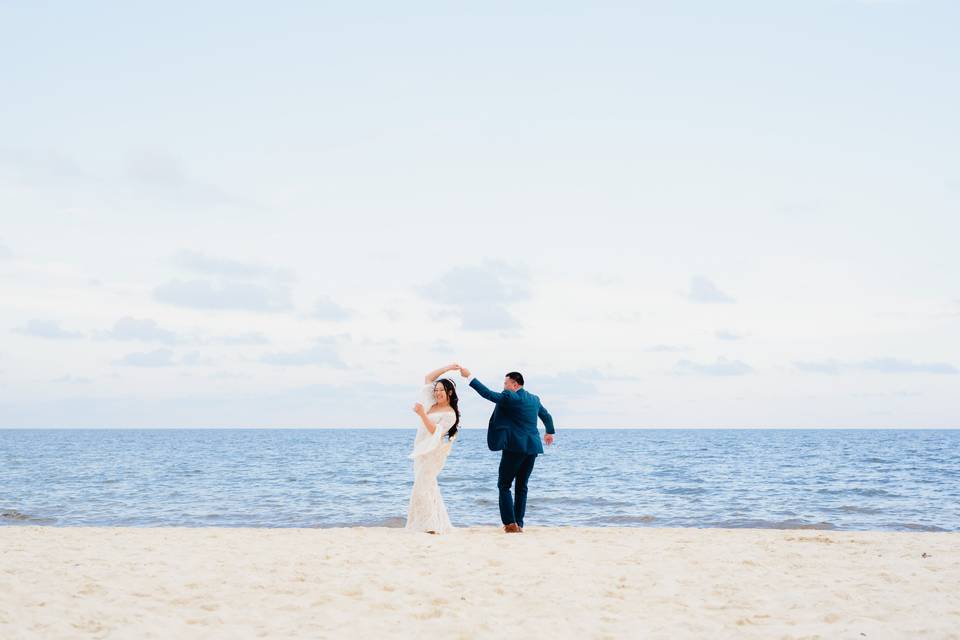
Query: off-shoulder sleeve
[425, 396]
[444, 421]
[427, 445]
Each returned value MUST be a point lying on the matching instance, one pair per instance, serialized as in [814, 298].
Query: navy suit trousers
[514, 467]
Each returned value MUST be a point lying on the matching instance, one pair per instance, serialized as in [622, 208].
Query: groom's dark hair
[516, 376]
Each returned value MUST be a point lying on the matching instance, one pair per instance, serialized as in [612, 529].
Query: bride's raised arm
[433, 375]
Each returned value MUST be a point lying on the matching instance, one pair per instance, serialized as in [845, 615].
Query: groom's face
[509, 384]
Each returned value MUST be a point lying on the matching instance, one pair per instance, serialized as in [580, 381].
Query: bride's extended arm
[427, 422]
[433, 375]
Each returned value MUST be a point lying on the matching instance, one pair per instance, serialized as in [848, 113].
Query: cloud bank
[722, 367]
[238, 296]
[703, 290]
[876, 365]
[479, 295]
[49, 329]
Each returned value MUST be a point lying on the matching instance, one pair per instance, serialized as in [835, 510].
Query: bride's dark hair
[451, 390]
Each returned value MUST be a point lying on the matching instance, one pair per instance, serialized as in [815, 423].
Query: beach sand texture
[476, 583]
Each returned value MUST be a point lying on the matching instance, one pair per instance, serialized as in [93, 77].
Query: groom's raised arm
[480, 388]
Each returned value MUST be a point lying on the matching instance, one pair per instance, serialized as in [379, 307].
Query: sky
[683, 214]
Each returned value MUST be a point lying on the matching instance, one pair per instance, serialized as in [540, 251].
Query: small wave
[912, 526]
[684, 491]
[867, 493]
[13, 515]
[849, 508]
[592, 501]
[624, 520]
[878, 461]
[772, 524]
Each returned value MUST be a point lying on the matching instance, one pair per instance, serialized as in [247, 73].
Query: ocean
[890, 480]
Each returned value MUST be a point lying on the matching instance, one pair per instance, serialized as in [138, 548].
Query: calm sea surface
[822, 479]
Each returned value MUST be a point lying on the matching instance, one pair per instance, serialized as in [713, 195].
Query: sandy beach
[477, 583]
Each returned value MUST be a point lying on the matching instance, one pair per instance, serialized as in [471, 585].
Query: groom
[513, 430]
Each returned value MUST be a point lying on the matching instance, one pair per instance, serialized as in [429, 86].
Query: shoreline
[13, 518]
[564, 582]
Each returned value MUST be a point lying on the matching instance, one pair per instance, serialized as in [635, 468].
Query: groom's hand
[548, 438]
[465, 372]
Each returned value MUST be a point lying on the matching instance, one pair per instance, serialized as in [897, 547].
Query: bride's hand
[453, 367]
[418, 409]
[465, 372]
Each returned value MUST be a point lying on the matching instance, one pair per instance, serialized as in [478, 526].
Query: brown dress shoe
[520, 528]
[511, 528]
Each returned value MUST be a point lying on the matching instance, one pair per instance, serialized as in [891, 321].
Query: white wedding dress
[426, 511]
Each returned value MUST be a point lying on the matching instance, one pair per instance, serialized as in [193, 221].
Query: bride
[439, 417]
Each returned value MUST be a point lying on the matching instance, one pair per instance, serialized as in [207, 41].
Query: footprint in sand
[91, 626]
[90, 589]
[427, 615]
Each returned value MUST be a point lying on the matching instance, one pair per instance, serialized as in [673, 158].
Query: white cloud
[243, 339]
[878, 365]
[722, 367]
[442, 346]
[323, 353]
[241, 296]
[479, 295]
[227, 375]
[47, 329]
[723, 334]
[235, 285]
[667, 348]
[165, 177]
[705, 291]
[392, 314]
[142, 329]
[822, 366]
[70, 379]
[207, 265]
[327, 309]
[40, 167]
[157, 358]
[303, 406]
[493, 317]
[563, 384]
[197, 359]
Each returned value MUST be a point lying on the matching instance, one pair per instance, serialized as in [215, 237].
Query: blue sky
[665, 214]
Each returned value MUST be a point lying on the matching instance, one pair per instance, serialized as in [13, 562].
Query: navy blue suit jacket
[513, 425]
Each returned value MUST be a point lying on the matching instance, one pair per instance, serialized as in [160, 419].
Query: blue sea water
[817, 479]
